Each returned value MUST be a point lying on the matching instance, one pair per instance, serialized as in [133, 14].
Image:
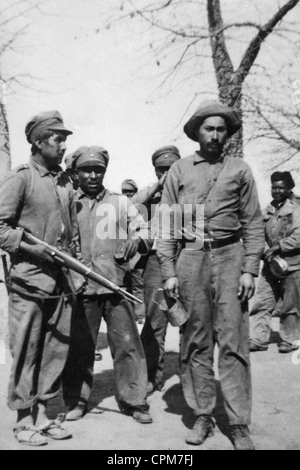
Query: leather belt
[209, 244]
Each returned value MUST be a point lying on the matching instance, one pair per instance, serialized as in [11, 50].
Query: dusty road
[276, 407]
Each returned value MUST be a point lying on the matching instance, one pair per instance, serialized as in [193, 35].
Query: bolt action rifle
[65, 260]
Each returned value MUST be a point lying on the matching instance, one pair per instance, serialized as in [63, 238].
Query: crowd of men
[207, 257]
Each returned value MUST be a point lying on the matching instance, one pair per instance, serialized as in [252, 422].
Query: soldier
[70, 170]
[108, 254]
[155, 328]
[38, 198]
[129, 188]
[282, 232]
[214, 274]
[134, 278]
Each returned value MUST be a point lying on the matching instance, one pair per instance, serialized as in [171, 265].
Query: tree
[195, 45]
[15, 19]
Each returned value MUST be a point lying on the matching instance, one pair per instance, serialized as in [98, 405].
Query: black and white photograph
[149, 227]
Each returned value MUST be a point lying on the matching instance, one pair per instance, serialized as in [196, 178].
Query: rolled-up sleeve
[167, 243]
[11, 200]
[252, 224]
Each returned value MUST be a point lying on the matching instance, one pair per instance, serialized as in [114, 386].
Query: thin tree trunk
[5, 158]
[230, 92]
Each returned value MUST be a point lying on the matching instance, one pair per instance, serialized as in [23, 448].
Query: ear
[38, 144]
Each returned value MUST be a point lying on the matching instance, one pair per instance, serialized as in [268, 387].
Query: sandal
[54, 430]
[30, 436]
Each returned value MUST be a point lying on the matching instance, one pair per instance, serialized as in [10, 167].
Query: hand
[130, 249]
[271, 253]
[162, 181]
[172, 287]
[246, 287]
[38, 251]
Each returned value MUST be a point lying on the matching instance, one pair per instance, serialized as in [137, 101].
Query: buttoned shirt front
[41, 202]
[226, 189]
[105, 223]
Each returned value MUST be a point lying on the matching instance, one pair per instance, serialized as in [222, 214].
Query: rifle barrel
[65, 259]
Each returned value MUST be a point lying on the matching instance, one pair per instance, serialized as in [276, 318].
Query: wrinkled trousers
[208, 283]
[125, 345]
[271, 293]
[39, 337]
[156, 324]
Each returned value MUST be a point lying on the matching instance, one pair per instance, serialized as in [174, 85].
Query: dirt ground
[276, 406]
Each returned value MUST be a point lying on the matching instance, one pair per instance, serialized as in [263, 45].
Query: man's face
[91, 179]
[129, 193]
[280, 192]
[212, 136]
[53, 149]
[161, 170]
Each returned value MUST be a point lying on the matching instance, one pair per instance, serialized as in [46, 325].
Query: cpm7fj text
[156, 459]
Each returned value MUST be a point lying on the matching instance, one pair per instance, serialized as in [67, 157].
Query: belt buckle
[207, 245]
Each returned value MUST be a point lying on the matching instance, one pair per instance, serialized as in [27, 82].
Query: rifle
[65, 260]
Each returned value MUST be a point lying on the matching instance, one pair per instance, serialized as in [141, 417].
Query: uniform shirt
[41, 203]
[105, 223]
[150, 210]
[282, 225]
[231, 207]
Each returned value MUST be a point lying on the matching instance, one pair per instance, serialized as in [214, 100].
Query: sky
[102, 82]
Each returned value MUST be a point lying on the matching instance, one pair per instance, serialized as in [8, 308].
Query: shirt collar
[82, 195]
[43, 171]
[199, 159]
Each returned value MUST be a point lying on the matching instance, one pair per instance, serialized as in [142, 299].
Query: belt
[209, 244]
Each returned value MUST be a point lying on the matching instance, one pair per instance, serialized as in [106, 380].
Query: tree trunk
[230, 92]
[5, 159]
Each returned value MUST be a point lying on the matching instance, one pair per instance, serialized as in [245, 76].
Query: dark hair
[44, 136]
[283, 176]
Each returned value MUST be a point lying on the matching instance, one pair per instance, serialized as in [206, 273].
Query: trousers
[208, 284]
[125, 345]
[285, 294]
[39, 337]
[156, 324]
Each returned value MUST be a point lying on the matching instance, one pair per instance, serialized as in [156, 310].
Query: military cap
[283, 176]
[91, 156]
[165, 156]
[213, 108]
[47, 121]
[129, 185]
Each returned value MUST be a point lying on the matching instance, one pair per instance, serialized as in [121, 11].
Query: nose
[93, 175]
[63, 146]
[215, 135]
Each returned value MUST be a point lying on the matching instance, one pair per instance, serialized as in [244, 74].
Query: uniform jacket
[41, 203]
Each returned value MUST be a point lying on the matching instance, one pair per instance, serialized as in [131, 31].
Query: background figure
[134, 277]
[155, 328]
[282, 233]
[107, 253]
[71, 171]
[38, 198]
[214, 276]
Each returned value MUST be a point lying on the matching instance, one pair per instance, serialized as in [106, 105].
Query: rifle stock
[64, 259]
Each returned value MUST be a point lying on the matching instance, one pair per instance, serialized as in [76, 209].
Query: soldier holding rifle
[111, 232]
[155, 328]
[38, 198]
